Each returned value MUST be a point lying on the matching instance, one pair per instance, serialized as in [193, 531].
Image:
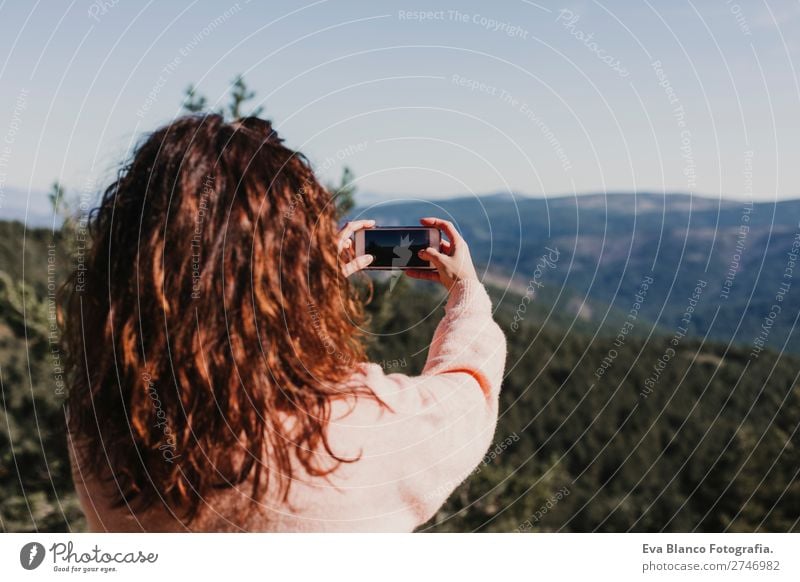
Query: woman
[218, 376]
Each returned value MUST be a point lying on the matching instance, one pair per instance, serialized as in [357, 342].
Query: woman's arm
[467, 336]
[446, 418]
[467, 340]
[439, 425]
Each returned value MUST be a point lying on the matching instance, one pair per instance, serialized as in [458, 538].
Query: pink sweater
[412, 456]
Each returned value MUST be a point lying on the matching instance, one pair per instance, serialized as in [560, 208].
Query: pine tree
[194, 102]
[240, 94]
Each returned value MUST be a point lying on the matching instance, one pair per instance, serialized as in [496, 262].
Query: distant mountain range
[721, 269]
[740, 257]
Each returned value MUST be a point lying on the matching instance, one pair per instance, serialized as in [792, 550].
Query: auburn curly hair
[209, 308]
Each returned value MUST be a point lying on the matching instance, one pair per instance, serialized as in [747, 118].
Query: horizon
[398, 198]
[44, 218]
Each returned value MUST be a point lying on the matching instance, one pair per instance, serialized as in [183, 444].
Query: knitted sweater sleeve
[439, 425]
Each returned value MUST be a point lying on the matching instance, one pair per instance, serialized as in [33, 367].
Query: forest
[711, 445]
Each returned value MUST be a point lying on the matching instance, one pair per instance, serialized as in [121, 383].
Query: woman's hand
[452, 260]
[345, 244]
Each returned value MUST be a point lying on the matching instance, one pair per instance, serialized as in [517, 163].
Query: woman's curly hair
[208, 325]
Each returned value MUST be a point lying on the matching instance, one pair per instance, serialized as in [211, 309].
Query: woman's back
[205, 395]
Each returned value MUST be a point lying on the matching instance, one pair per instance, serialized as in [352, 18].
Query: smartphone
[396, 247]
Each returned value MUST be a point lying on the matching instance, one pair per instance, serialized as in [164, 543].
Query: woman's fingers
[422, 274]
[444, 225]
[345, 242]
[350, 228]
[433, 256]
[436, 257]
[357, 264]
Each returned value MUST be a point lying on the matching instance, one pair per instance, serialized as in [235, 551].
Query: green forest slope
[712, 445]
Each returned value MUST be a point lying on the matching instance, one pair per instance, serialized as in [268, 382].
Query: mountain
[720, 269]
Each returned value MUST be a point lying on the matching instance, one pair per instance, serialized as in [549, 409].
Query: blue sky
[542, 98]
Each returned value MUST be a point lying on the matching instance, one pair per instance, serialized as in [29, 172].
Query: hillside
[711, 445]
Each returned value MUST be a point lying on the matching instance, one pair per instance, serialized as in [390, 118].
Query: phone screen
[397, 248]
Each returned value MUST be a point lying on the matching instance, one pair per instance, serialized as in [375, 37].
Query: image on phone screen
[397, 248]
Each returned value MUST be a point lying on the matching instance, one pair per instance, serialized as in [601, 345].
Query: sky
[421, 99]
